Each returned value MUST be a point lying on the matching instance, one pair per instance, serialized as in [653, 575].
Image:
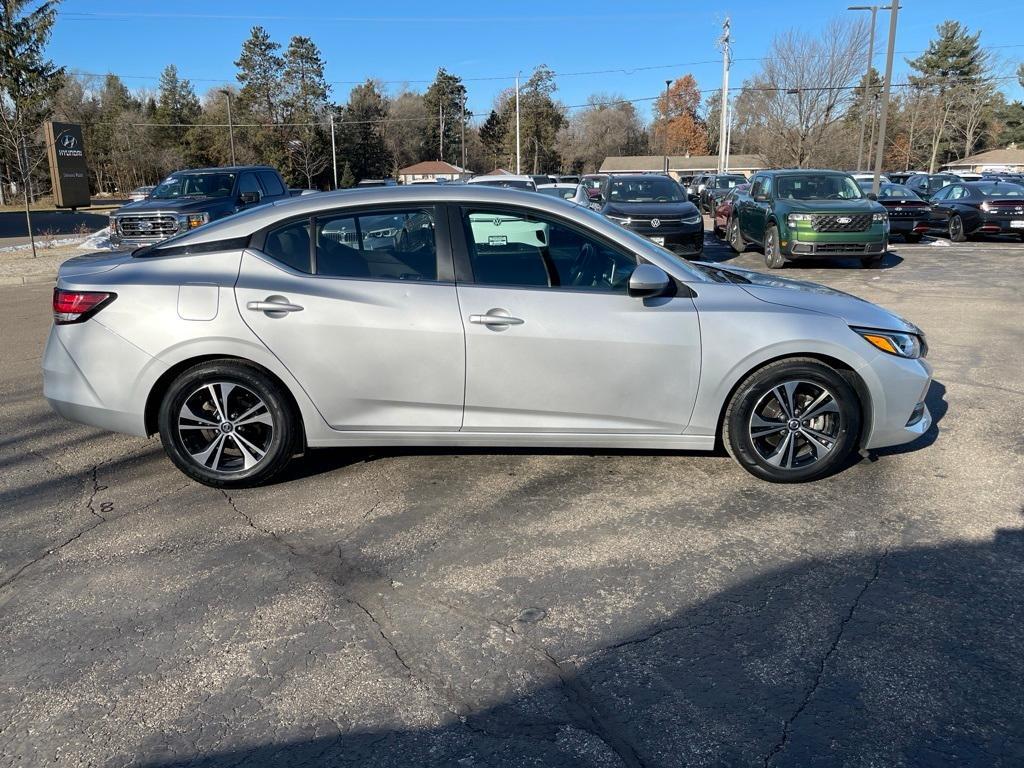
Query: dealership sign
[68, 171]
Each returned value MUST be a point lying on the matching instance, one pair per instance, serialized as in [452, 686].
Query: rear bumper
[1000, 225]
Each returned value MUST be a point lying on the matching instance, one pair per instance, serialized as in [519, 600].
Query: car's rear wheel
[773, 257]
[956, 229]
[227, 424]
[792, 421]
[734, 236]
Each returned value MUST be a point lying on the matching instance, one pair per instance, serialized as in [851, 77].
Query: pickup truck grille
[841, 223]
[152, 225]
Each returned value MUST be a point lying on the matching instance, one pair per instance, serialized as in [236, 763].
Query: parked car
[799, 213]
[696, 186]
[140, 193]
[654, 206]
[188, 199]
[506, 180]
[591, 184]
[971, 208]
[377, 183]
[724, 209]
[568, 179]
[717, 187]
[968, 176]
[542, 178]
[511, 319]
[909, 215]
[869, 177]
[925, 185]
[564, 191]
[900, 177]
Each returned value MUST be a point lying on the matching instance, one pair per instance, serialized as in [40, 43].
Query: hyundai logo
[843, 220]
[68, 141]
[655, 223]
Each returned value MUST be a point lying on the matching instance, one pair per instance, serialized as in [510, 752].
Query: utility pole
[867, 78]
[880, 151]
[440, 127]
[664, 143]
[462, 126]
[334, 151]
[723, 107]
[518, 171]
[231, 127]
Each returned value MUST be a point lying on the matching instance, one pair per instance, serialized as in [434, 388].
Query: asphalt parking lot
[490, 608]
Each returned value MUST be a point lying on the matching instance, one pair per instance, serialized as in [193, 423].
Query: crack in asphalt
[787, 728]
[96, 488]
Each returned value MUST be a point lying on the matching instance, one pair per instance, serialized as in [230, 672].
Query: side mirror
[872, 196]
[248, 198]
[647, 280]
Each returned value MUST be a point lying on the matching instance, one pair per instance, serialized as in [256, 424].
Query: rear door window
[384, 245]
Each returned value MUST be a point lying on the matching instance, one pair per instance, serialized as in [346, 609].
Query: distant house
[1009, 160]
[681, 166]
[432, 170]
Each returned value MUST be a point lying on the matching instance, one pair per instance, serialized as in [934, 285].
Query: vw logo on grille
[655, 223]
[843, 220]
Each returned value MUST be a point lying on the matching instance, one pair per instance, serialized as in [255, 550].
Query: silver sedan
[468, 316]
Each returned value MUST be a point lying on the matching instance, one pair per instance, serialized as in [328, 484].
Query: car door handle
[495, 319]
[273, 304]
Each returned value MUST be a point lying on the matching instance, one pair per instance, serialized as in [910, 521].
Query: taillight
[78, 306]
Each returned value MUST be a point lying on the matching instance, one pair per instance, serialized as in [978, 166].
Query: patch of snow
[98, 241]
[41, 244]
[939, 242]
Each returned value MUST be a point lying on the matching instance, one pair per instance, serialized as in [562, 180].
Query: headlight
[882, 217]
[695, 219]
[623, 220]
[894, 342]
[188, 221]
[793, 218]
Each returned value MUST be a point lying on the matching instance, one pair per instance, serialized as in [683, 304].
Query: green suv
[798, 213]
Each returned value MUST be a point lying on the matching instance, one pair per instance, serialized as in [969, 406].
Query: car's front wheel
[227, 424]
[773, 257]
[734, 236]
[792, 421]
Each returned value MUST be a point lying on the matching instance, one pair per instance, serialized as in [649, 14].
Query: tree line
[802, 107]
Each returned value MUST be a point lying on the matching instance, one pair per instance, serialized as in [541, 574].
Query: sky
[595, 46]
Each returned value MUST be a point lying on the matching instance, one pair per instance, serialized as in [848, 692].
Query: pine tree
[348, 179]
[28, 82]
[444, 101]
[540, 118]
[259, 73]
[305, 104]
[492, 136]
[362, 132]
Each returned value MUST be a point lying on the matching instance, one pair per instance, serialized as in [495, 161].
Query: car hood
[801, 294]
[650, 209]
[831, 206]
[180, 205]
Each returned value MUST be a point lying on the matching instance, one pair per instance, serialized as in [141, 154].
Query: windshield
[938, 182]
[511, 184]
[817, 187]
[729, 182]
[653, 190]
[194, 185]
[897, 190]
[1000, 189]
[566, 193]
[593, 183]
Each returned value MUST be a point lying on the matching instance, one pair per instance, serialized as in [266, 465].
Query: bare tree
[805, 84]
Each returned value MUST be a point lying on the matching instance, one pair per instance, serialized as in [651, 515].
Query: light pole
[664, 143]
[723, 104]
[231, 128]
[880, 151]
[867, 77]
[518, 171]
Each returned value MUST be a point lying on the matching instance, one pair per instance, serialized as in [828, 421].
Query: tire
[248, 445]
[734, 236]
[912, 237]
[758, 446]
[718, 231]
[773, 257]
[956, 229]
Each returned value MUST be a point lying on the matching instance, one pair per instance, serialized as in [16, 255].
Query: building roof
[639, 163]
[1009, 156]
[431, 166]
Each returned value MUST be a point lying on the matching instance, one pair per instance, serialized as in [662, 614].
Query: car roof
[501, 177]
[639, 176]
[226, 168]
[788, 171]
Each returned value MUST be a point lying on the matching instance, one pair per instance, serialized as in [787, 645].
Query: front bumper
[683, 241]
[828, 249]
[899, 390]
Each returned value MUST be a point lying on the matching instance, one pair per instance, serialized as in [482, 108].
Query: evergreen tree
[259, 74]
[540, 118]
[444, 102]
[492, 136]
[305, 105]
[28, 82]
[362, 132]
[348, 179]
